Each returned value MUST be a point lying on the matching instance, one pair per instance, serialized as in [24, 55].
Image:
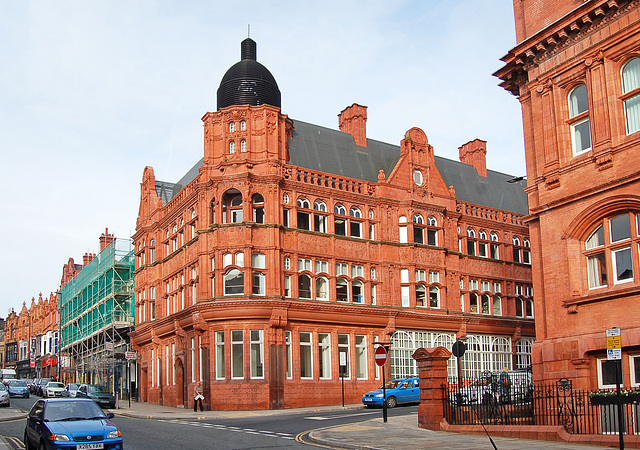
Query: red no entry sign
[381, 356]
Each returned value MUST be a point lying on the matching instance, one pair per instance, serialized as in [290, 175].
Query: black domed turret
[248, 82]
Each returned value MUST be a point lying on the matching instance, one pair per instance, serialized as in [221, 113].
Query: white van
[7, 374]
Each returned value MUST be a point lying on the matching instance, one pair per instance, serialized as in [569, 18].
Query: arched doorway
[181, 385]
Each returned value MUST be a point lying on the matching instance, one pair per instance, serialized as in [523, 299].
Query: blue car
[402, 390]
[18, 388]
[70, 423]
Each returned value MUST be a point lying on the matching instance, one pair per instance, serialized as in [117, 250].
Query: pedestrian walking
[197, 397]
[505, 385]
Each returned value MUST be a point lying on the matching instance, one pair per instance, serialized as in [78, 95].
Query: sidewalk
[398, 433]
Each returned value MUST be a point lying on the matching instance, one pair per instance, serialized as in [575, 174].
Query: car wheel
[392, 402]
[42, 446]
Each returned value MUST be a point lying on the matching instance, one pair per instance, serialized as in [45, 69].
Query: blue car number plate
[95, 446]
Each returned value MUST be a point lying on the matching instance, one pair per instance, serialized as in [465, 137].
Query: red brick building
[31, 338]
[576, 72]
[278, 260]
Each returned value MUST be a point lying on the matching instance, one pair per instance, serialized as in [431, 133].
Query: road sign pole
[384, 398]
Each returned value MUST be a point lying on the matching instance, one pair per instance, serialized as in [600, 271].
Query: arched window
[471, 242]
[631, 91]
[421, 295]
[418, 229]
[303, 216]
[258, 208]
[339, 223]
[232, 206]
[473, 303]
[483, 244]
[232, 147]
[243, 125]
[434, 297]
[233, 282]
[497, 305]
[357, 291]
[355, 226]
[517, 250]
[243, 146]
[322, 288]
[526, 252]
[304, 286]
[494, 246]
[232, 127]
[579, 116]
[403, 229]
[342, 290]
[613, 239]
[432, 232]
[417, 218]
[319, 220]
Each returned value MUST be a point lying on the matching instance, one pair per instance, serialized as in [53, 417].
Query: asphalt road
[286, 431]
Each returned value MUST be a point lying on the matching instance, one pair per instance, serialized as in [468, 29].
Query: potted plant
[611, 397]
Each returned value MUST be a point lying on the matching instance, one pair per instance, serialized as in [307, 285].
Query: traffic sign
[381, 356]
[614, 342]
[614, 353]
[458, 349]
[613, 332]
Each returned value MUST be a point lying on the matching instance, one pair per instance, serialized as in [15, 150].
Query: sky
[91, 92]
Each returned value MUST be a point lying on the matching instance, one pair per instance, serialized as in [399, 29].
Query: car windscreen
[17, 383]
[392, 384]
[55, 385]
[97, 389]
[58, 411]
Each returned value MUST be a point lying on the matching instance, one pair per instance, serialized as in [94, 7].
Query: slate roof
[322, 149]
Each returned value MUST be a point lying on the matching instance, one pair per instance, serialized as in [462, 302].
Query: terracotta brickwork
[583, 173]
[29, 325]
[248, 218]
[275, 264]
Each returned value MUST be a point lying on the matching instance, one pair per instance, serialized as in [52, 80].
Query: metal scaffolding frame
[96, 314]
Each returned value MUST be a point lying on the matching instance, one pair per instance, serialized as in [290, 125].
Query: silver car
[5, 400]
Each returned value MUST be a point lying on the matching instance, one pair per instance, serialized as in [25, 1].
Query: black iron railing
[557, 404]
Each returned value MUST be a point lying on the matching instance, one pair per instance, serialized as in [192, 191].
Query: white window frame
[256, 354]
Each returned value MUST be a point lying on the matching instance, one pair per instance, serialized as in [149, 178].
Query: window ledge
[608, 294]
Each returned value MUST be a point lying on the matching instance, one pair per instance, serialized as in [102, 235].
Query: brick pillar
[432, 370]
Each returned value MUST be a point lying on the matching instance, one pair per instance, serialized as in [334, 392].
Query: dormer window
[417, 177]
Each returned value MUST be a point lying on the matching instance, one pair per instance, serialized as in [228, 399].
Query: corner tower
[247, 128]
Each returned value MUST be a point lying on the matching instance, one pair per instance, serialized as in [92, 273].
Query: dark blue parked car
[404, 390]
[18, 388]
[70, 423]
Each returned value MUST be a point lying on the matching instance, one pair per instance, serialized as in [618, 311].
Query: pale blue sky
[93, 91]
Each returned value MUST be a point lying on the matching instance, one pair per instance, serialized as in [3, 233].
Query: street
[244, 431]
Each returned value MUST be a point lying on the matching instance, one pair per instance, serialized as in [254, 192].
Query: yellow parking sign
[614, 342]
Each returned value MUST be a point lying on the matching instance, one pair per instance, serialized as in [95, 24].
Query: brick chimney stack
[475, 154]
[353, 120]
[105, 239]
